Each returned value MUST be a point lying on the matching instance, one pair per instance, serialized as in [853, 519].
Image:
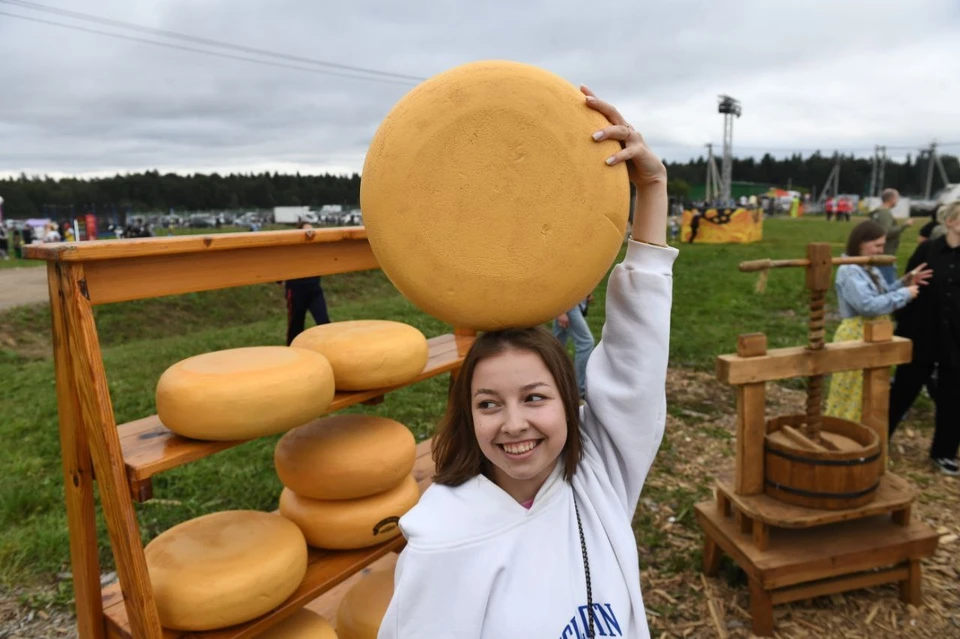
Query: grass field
[713, 303]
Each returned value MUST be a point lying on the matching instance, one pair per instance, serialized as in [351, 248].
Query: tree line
[151, 191]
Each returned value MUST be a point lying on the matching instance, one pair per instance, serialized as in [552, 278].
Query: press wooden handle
[763, 265]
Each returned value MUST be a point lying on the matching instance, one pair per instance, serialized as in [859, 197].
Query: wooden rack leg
[77, 478]
[93, 396]
[761, 534]
[910, 588]
[761, 609]
[711, 556]
[723, 504]
[902, 517]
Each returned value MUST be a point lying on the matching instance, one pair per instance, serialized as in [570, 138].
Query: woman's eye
[485, 405]
[535, 398]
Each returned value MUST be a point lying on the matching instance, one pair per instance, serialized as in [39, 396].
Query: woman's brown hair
[866, 231]
[456, 453]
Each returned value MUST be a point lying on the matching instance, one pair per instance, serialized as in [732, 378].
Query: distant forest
[28, 196]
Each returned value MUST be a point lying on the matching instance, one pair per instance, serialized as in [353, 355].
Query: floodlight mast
[729, 107]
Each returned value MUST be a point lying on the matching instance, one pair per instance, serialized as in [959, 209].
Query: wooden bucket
[827, 479]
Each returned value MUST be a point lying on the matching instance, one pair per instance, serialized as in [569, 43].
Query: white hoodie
[478, 564]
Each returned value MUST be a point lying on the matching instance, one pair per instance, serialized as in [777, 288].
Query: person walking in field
[304, 294]
[573, 324]
[933, 323]
[884, 217]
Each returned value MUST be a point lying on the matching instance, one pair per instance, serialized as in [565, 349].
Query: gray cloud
[811, 75]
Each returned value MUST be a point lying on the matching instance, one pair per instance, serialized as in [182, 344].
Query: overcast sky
[811, 75]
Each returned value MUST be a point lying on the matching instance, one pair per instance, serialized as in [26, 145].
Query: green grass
[15, 262]
[713, 303]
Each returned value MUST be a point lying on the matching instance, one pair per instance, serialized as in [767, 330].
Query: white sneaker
[947, 466]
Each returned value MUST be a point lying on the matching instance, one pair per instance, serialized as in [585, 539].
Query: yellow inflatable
[722, 226]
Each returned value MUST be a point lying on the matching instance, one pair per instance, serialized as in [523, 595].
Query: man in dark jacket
[932, 321]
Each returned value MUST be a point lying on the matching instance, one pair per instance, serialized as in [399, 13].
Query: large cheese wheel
[486, 201]
[350, 523]
[345, 457]
[244, 393]
[368, 354]
[362, 609]
[304, 624]
[225, 568]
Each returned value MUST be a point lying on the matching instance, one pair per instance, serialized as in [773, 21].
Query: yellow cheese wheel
[362, 609]
[350, 523]
[244, 393]
[225, 568]
[345, 457]
[368, 354]
[304, 624]
[486, 201]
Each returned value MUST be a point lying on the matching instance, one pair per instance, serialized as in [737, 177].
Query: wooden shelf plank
[186, 244]
[326, 569]
[150, 448]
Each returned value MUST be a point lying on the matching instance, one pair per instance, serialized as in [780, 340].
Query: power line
[218, 54]
[205, 41]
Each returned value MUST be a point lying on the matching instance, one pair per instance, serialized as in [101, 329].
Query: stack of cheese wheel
[368, 354]
[244, 393]
[347, 479]
[362, 609]
[225, 568]
[486, 200]
[304, 624]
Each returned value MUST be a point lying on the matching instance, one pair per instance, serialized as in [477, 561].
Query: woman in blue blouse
[863, 294]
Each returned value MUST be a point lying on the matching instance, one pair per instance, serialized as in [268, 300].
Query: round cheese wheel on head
[225, 568]
[304, 624]
[350, 523]
[368, 354]
[362, 609]
[345, 457]
[486, 201]
[244, 393]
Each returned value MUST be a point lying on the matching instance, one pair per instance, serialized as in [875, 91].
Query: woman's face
[518, 419]
[873, 247]
[952, 223]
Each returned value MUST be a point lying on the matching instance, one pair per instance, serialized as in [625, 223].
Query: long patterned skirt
[845, 398]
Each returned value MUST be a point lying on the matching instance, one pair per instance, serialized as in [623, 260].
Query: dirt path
[22, 286]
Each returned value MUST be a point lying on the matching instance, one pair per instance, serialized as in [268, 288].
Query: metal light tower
[729, 107]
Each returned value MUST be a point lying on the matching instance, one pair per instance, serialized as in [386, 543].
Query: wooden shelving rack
[122, 459]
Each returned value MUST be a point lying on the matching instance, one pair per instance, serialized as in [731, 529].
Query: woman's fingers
[621, 132]
[605, 108]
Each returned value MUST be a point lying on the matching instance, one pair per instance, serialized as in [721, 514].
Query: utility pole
[882, 161]
[729, 107]
[931, 161]
[708, 193]
[832, 185]
[874, 166]
[712, 193]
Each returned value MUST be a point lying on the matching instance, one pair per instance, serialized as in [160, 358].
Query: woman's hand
[643, 165]
[919, 275]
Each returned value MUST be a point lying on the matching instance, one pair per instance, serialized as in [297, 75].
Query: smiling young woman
[526, 530]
